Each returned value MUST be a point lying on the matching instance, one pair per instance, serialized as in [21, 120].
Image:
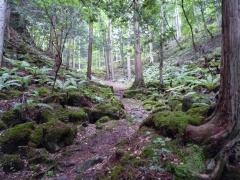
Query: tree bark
[161, 55]
[3, 6]
[139, 81]
[109, 52]
[90, 46]
[178, 23]
[224, 125]
[129, 70]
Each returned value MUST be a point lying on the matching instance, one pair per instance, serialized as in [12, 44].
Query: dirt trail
[94, 147]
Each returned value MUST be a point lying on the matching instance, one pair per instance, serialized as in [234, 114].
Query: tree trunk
[129, 70]
[3, 6]
[151, 52]
[189, 24]
[223, 126]
[90, 46]
[178, 22]
[139, 81]
[109, 52]
[161, 56]
[204, 20]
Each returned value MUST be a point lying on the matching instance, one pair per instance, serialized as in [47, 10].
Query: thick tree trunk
[90, 47]
[189, 24]
[3, 6]
[139, 81]
[223, 126]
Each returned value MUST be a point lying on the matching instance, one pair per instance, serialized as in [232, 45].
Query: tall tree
[90, 49]
[223, 127]
[139, 81]
[2, 26]
[189, 24]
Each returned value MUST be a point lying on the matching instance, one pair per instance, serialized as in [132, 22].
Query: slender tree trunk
[178, 22]
[223, 127]
[174, 36]
[189, 24]
[139, 81]
[129, 70]
[204, 20]
[51, 38]
[151, 51]
[90, 46]
[109, 51]
[3, 6]
[161, 56]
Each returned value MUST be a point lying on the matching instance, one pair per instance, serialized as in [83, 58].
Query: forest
[120, 89]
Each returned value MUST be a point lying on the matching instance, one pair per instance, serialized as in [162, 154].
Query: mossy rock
[76, 98]
[2, 126]
[78, 116]
[27, 112]
[71, 114]
[199, 109]
[12, 118]
[114, 111]
[11, 163]
[104, 119]
[53, 135]
[56, 98]
[14, 137]
[171, 123]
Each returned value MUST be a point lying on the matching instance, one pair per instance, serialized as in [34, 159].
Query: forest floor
[95, 146]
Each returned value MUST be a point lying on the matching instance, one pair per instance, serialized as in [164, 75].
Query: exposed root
[217, 172]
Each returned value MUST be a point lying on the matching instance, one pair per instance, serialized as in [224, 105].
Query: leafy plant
[6, 82]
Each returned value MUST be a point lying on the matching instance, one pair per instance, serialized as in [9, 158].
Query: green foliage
[172, 123]
[6, 82]
[16, 136]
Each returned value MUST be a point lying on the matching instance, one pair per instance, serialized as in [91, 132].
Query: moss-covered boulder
[11, 163]
[76, 98]
[39, 113]
[53, 135]
[112, 110]
[71, 114]
[171, 123]
[199, 109]
[14, 137]
[173, 102]
[12, 118]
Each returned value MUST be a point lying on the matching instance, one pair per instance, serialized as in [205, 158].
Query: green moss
[12, 163]
[104, 119]
[199, 109]
[16, 136]
[36, 136]
[172, 122]
[43, 91]
[11, 118]
[53, 135]
[77, 116]
[148, 152]
[192, 158]
[112, 110]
